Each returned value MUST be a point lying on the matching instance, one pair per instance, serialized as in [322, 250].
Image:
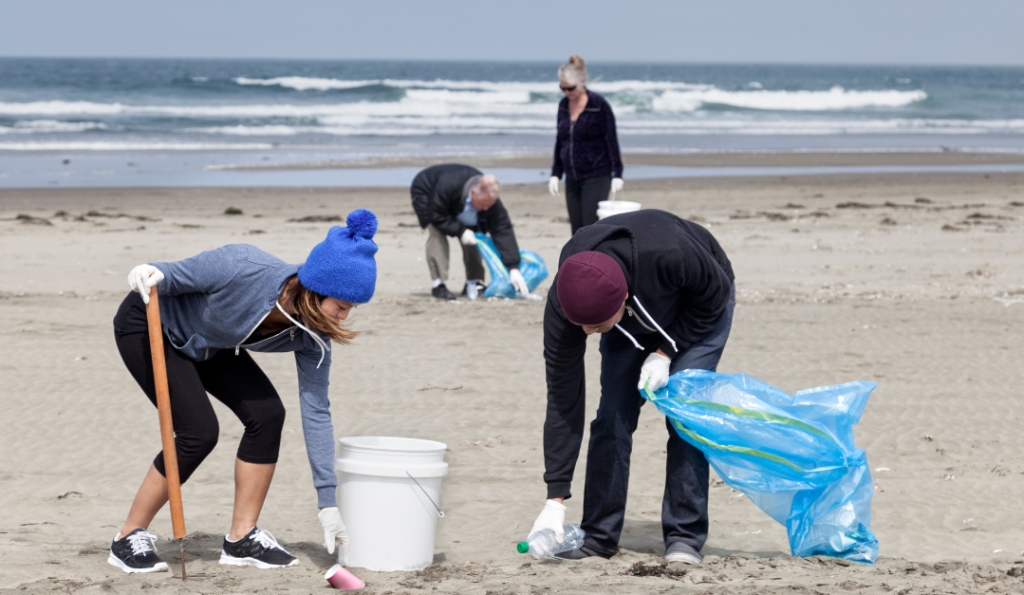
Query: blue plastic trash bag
[793, 456]
[531, 265]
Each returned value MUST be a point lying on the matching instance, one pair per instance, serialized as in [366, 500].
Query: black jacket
[588, 148]
[679, 278]
[439, 196]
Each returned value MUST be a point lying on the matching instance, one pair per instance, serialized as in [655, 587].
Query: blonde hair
[574, 71]
[307, 306]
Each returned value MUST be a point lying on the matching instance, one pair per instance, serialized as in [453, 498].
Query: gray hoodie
[216, 299]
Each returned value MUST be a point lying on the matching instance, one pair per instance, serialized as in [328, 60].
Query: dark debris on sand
[316, 219]
[120, 216]
[661, 570]
[30, 220]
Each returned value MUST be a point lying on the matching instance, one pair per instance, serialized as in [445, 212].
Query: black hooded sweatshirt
[679, 280]
[439, 196]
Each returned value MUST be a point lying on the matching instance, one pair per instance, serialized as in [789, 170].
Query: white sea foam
[419, 103]
[822, 127]
[449, 96]
[45, 126]
[509, 109]
[835, 98]
[270, 130]
[509, 102]
[130, 146]
[59, 108]
[364, 125]
[300, 83]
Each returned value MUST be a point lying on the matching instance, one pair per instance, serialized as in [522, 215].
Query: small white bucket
[607, 208]
[388, 493]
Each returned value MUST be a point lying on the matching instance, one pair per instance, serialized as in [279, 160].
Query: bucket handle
[439, 512]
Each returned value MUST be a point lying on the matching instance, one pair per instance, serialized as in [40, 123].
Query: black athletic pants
[235, 380]
[581, 198]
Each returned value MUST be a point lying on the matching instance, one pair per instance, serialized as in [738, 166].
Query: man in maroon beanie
[660, 289]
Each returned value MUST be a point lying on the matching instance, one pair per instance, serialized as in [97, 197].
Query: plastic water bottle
[544, 545]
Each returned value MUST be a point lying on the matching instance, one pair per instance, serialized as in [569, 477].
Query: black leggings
[581, 198]
[235, 380]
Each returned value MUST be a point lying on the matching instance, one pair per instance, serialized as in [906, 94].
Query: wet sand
[702, 159]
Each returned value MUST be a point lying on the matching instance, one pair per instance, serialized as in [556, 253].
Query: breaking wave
[130, 146]
[44, 126]
[836, 98]
[299, 83]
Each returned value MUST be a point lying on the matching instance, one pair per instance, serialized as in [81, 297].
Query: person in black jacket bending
[661, 289]
[457, 200]
[586, 146]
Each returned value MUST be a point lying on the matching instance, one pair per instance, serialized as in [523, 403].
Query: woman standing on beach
[586, 147]
[219, 305]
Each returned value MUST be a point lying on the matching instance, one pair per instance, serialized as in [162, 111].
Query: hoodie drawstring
[651, 318]
[635, 343]
[660, 330]
[323, 347]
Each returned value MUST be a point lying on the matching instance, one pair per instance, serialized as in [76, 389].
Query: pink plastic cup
[339, 578]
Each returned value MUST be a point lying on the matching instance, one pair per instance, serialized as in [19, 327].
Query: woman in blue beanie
[215, 307]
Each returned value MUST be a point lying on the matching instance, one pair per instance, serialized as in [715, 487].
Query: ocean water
[170, 115]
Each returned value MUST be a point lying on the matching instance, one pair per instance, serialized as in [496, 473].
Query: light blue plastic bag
[793, 456]
[531, 265]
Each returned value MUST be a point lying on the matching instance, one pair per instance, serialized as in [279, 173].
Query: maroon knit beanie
[591, 287]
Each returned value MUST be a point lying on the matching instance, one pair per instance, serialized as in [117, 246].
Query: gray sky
[803, 31]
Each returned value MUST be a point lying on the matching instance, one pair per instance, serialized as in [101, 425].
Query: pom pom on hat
[362, 223]
[343, 266]
[591, 287]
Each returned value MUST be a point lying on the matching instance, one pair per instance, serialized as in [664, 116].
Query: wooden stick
[163, 405]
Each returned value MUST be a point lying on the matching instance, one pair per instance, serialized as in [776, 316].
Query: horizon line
[533, 61]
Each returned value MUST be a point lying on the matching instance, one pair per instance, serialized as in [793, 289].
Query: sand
[925, 297]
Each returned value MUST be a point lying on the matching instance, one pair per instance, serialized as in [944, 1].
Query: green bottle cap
[523, 547]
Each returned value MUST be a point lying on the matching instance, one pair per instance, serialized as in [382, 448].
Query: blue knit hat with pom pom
[342, 266]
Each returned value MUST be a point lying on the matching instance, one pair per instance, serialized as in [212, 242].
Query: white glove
[142, 278]
[617, 184]
[517, 280]
[468, 238]
[654, 373]
[552, 517]
[553, 186]
[334, 531]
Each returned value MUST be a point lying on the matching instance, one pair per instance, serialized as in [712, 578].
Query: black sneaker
[136, 552]
[580, 553]
[441, 292]
[258, 548]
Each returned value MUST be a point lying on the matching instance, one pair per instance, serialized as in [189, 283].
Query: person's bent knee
[204, 442]
[262, 440]
[269, 421]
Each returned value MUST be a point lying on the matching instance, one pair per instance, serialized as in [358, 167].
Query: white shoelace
[142, 542]
[266, 539]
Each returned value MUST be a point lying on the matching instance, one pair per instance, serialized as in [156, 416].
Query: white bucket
[391, 521]
[607, 208]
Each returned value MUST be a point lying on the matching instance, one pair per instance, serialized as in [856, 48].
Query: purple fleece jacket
[589, 147]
